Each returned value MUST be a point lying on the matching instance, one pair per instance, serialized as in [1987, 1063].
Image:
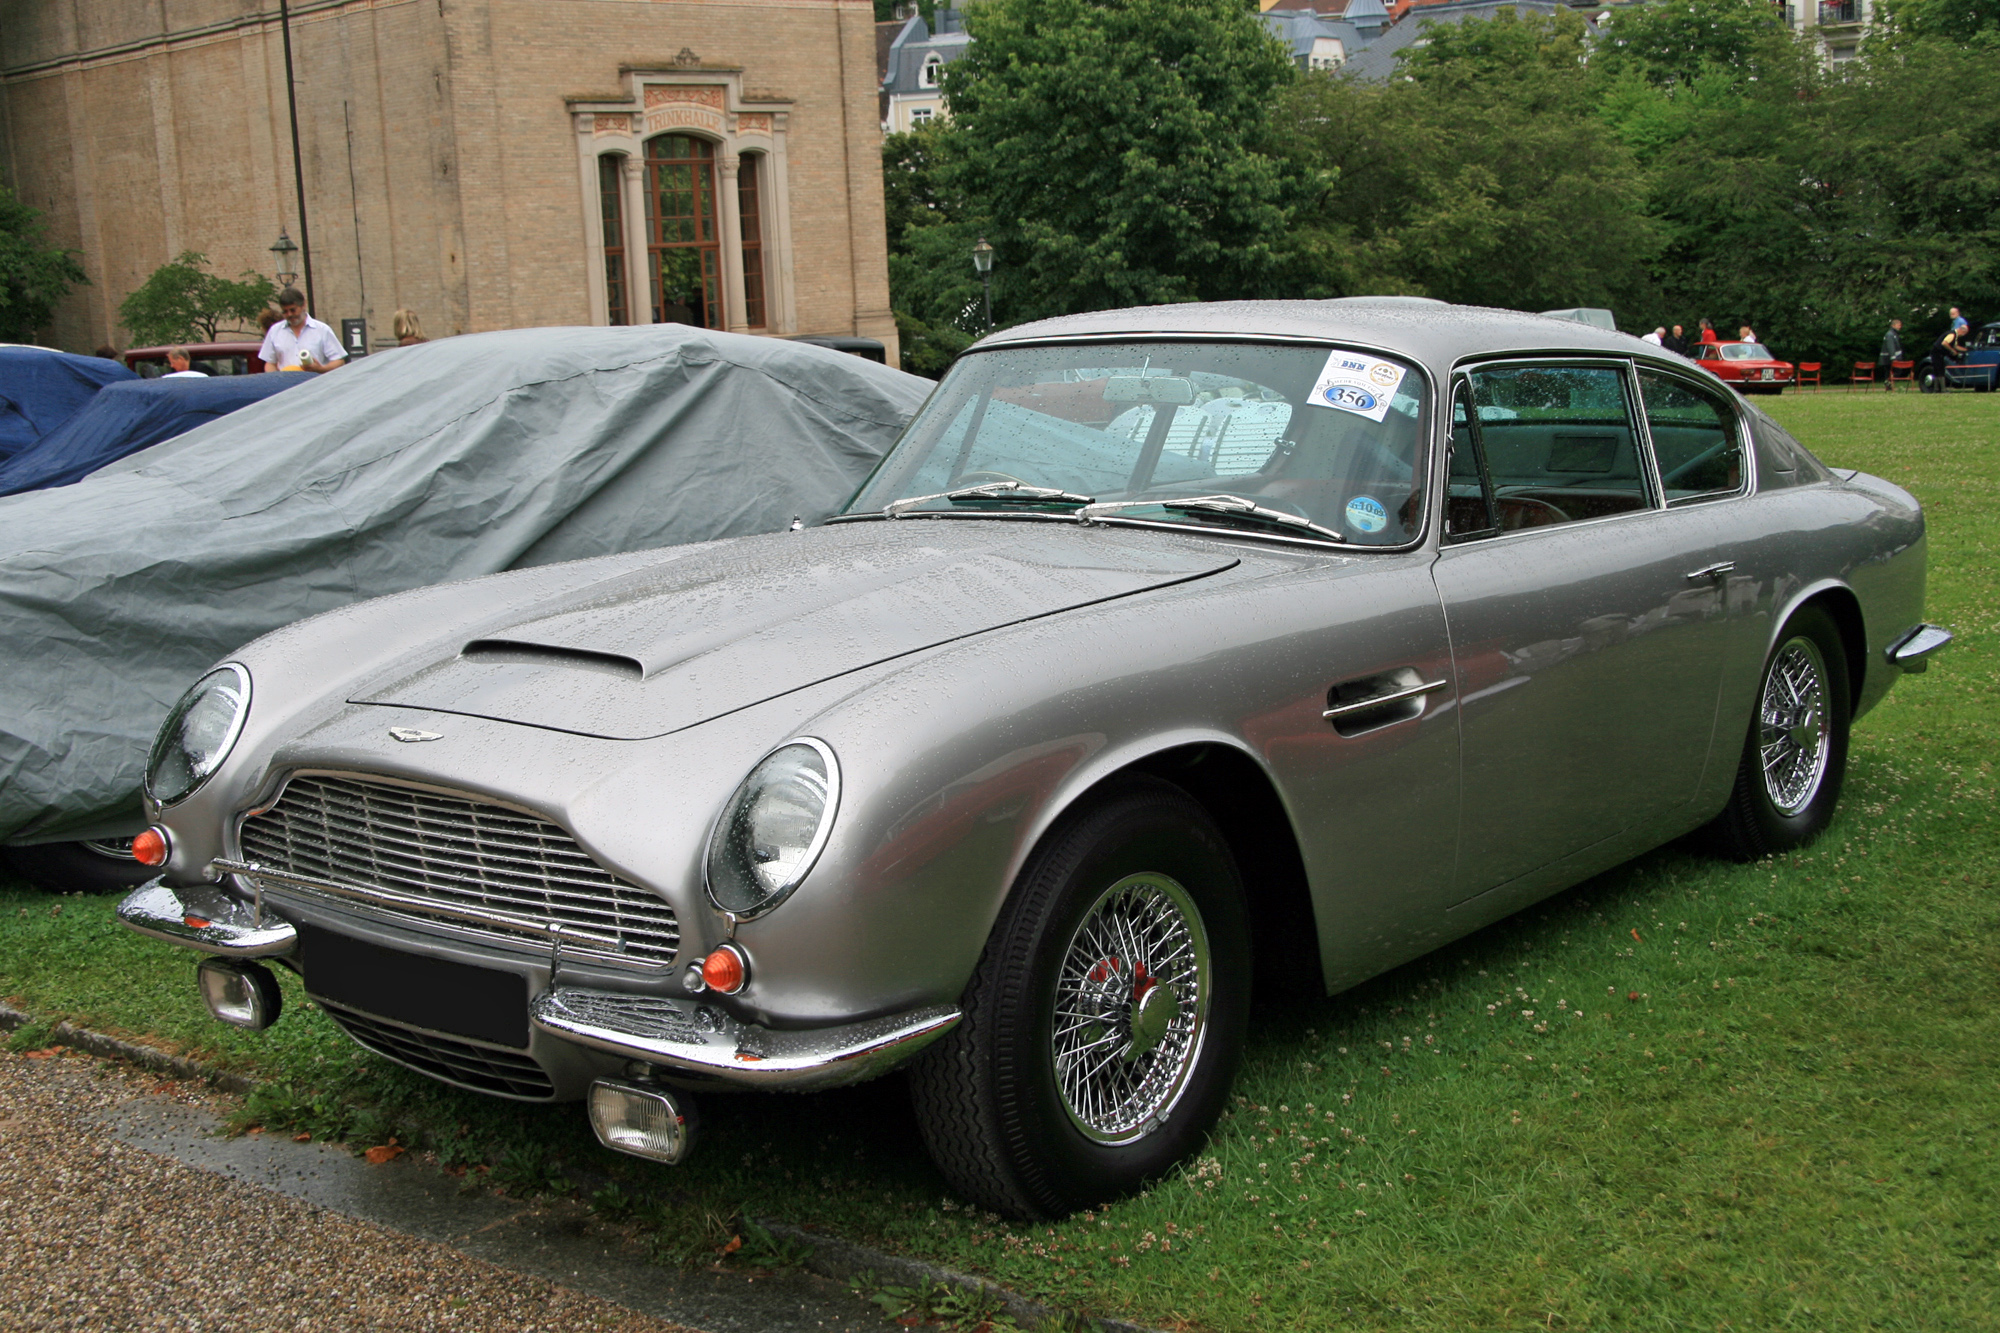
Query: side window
[1694, 438]
[1557, 443]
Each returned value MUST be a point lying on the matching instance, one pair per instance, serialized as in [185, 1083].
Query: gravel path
[100, 1235]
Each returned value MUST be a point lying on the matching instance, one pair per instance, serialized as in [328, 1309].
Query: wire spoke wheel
[1792, 740]
[1130, 1010]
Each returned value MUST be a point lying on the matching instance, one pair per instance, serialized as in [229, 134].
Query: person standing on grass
[1892, 352]
[1959, 324]
[1947, 349]
[1676, 341]
[298, 341]
[1657, 337]
[1708, 333]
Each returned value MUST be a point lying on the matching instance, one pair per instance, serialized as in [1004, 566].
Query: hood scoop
[505, 652]
[698, 637]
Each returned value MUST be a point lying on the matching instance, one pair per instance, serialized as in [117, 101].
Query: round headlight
[773, 828]
[198, 734]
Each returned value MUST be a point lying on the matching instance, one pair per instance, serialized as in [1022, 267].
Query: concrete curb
[829, 1256]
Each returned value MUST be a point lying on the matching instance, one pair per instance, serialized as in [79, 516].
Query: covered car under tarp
[439, 461]
[41, 388]
[125, 418]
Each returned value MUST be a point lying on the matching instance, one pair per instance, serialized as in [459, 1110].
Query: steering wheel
[1713, 451]
[1525, 511]
[984, 477]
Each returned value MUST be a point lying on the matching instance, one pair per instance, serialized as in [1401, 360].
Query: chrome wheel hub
[1131, 1004]
[1791, 726]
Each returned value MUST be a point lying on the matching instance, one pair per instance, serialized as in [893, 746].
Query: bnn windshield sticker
[1359, 384]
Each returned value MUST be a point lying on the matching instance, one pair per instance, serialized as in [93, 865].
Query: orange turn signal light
[150, 848]
[726, 969]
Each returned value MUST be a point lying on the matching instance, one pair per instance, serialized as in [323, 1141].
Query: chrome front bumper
[690, 1039]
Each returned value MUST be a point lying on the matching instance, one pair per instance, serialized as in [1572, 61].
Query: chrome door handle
[1377, 700]
[1714, 571]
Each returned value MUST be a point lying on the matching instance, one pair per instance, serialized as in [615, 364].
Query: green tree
[34, 275]
[183, 302]
[1482, 175]
[1949, 20]
[1677, 41]
[1113, 151]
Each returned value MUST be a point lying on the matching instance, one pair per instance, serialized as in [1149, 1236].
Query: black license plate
[434, 993]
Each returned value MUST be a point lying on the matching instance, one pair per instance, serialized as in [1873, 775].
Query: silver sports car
[1169, 649]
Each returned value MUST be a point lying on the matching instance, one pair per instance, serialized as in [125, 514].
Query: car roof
[1424, 330]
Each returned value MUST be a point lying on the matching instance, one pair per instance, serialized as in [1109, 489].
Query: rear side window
[1695, 439]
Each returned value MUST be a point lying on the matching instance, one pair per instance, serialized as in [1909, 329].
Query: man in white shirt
[177, 366]
[298, 341]
[1658, 337]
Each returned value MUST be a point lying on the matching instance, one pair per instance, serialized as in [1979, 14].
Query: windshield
[1330, 436]
[1746, 352]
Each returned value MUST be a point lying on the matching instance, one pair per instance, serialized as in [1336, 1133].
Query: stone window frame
[708, 102]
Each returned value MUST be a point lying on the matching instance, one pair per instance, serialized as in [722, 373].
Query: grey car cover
[440, 461]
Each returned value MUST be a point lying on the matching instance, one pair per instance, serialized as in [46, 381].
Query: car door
[1584, 616]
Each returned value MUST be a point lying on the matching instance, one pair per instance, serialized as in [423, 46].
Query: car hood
[663, 648]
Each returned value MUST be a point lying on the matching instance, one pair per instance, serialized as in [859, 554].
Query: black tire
[76, 867]
[1787, 805]
[991, 1096]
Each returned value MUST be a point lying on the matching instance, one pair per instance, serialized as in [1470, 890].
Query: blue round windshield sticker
[1350, 396]
[1366, 514]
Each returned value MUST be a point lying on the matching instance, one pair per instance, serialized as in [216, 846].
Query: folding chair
[1864, 373]
[1904, 372]
[1808, 374]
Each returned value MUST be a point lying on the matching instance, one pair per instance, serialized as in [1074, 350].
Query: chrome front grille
[451, 859]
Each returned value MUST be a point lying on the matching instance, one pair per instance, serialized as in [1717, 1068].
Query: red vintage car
[1750, 367]
[223, 358]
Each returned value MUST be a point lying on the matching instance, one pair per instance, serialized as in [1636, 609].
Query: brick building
[488, 163]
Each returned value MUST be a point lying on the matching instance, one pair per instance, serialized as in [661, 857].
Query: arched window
[927, 77]
[611, 208]
[683, 231]
[750, 204]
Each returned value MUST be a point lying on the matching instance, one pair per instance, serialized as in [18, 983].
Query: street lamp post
[284, 250]
[982, 261]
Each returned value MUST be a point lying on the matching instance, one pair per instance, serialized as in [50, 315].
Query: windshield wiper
[992, 490]
[1234, 506]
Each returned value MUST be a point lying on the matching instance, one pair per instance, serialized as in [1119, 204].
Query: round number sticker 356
[1358, 383]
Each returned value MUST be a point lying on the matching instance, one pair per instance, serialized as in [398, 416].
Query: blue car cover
[125, 418]
[40, 388]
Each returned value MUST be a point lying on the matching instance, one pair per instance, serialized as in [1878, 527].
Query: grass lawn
[1684, 1095]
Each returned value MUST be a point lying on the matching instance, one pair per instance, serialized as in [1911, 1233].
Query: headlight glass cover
[773, 828]
[198, 734]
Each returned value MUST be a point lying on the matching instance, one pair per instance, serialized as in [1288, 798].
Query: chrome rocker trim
[1912, 652]
[205, 918]
[690, 1037]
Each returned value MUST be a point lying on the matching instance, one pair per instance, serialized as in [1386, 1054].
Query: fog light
[152, 847]
[726, 969]
[645, 1121]
[243, 994]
